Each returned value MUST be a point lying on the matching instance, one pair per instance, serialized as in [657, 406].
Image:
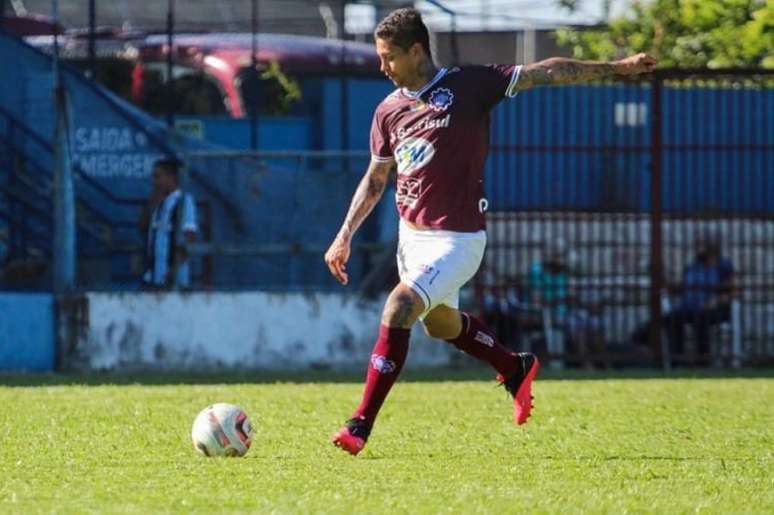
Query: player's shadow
[466, 373]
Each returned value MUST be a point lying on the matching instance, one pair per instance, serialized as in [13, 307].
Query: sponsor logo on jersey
[412, 154]
[382, 364]
[441, 99]
[407, 192]
[483, 205]
[424, 124]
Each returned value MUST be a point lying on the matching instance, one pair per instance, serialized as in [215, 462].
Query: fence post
[253, 108]
[657, 340]
[92, 70]
[179, 240]
[64, 248]
[169, 86]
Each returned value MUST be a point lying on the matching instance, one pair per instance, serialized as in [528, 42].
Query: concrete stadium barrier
[211, 331]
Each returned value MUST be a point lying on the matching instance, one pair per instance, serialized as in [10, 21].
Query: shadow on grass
[472, 373]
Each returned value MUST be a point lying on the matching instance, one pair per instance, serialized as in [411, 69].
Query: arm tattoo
[368, 193]
[559, 70]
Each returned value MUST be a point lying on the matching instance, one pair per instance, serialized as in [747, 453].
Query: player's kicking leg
[515, 371]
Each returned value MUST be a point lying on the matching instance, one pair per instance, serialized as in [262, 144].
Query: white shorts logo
[382, 364]
[412, 154]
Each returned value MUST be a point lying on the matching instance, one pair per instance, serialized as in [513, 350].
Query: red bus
[215, 73]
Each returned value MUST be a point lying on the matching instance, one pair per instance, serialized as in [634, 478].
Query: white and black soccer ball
[222, 430]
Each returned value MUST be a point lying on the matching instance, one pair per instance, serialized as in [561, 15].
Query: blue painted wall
[568, 148]
[274, 132]
[27, 332]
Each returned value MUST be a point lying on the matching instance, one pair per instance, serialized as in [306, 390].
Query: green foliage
[443, 444]
[286, 89]
[684, 33]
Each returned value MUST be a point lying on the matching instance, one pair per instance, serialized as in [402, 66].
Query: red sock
[477, 340]
[385, 365]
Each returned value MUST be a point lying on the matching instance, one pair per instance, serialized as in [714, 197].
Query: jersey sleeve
[380, 140]
[497, 81]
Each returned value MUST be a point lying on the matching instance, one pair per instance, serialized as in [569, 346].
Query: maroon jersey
[439, 138]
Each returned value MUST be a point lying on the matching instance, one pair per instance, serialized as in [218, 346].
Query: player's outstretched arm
[368, 193]
[559, 70]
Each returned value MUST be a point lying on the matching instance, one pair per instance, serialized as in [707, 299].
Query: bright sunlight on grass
[443, 443]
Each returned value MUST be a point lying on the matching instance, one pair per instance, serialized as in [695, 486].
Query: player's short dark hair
[403, 28]
[169, 165]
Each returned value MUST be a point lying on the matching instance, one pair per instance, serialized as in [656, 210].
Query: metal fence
[621, 180]
[291, 204]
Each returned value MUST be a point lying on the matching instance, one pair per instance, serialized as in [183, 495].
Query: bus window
[193, 93]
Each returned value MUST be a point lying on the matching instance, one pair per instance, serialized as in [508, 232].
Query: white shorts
[436, 264]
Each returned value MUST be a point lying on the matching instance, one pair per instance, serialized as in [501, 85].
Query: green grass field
[444, 443]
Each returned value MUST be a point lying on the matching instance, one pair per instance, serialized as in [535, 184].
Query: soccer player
[434, 129]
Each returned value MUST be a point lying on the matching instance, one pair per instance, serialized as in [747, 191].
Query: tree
[684, 33]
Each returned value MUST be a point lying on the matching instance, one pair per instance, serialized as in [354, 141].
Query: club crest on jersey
[441, 99]
[412, 154]
[382, 364]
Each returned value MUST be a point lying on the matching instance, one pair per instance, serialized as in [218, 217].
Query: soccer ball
[222, 430]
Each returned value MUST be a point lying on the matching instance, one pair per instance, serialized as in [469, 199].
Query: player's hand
[336, 258]
[636, 64]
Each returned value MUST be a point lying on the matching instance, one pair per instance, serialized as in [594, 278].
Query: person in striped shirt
[167, 211]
